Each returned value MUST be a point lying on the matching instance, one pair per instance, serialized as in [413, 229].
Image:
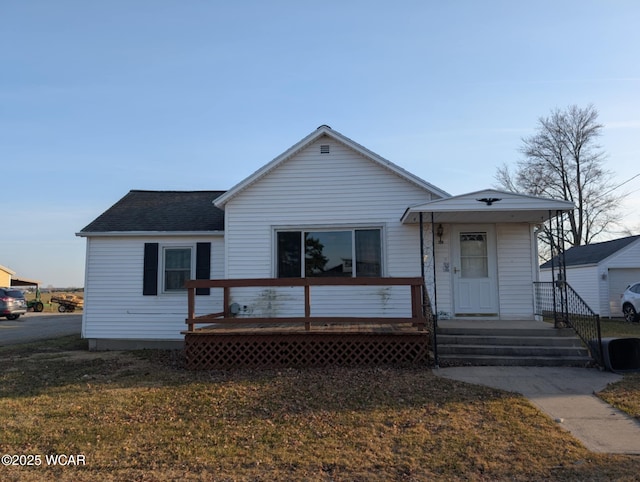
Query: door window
[474, 261]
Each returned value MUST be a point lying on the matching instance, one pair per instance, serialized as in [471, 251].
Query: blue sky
[100, 97]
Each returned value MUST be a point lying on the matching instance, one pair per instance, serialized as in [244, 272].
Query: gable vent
[324, 149]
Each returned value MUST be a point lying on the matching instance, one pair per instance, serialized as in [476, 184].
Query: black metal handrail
[432, 323]
[559, 301]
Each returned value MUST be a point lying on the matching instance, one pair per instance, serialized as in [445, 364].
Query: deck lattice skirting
[222, 351]
[229, 342]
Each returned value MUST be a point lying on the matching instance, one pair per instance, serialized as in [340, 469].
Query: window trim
[162, 262]
[153, 273]
[328, 228]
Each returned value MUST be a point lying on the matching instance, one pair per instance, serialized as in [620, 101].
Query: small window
[166, 268]
[324, 149]
[177, 268]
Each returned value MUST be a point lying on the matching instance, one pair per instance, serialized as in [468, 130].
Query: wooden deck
[226, 341]
[286, 328]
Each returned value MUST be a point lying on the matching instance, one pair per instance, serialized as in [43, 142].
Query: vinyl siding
[342, 189]
[585, 280]
[545, 275]
[515, 271]
[114, 304]
[598, 285]
[443, 269]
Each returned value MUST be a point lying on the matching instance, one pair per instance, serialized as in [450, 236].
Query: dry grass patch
[625, 395]
[140, 416]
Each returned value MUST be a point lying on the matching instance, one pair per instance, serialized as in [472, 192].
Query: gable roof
[592, 253]
[488, 205]
[7, 270]
[320, 132]
[154, 211]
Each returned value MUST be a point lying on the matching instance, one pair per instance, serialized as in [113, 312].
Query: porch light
[439, 233]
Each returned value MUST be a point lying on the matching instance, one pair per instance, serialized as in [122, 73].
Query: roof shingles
[592, 253]
[163, 211]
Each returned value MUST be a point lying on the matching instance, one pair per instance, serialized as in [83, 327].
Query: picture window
[341, 253]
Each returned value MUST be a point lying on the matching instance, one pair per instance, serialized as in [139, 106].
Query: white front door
[474, 270]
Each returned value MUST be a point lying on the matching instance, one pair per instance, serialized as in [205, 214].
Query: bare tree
[563, 160]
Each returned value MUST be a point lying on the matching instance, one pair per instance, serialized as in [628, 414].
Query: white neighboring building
[600, 272]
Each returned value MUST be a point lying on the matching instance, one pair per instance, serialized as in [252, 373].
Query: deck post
[416, 305]
[191, 306]
[307, 306]
[226, 300]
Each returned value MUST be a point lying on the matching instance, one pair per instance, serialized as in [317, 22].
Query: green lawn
[618, 328]
[141, 416]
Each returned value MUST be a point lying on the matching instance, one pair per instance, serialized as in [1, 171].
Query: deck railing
[225, 317]
[559, 301]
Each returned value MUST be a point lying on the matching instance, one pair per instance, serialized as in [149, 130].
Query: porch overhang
[487, 207]
[479, 216]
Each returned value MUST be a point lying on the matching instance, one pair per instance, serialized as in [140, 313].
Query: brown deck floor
[268, 329]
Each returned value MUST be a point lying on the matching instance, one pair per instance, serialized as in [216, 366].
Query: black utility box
[621, 354]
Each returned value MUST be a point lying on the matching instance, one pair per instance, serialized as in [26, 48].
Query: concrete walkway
[567, 396]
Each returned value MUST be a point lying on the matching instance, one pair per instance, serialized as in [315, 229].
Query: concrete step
[513, 350]
[507, 346]
[536, 361]
[519, 332]
[487, 339]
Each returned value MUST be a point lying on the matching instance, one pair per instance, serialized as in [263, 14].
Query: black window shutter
[203, 265]
[150, 276]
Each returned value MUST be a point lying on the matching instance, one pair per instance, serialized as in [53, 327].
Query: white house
[600, 272]
[327, 206]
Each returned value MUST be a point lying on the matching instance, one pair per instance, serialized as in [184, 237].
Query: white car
[630, 302]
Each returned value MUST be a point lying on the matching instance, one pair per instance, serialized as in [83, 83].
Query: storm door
[474, 271]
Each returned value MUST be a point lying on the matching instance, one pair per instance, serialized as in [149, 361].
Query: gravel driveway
[39, 326]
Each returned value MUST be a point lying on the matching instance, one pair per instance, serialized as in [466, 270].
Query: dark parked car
[630, 302]
[12, 303]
